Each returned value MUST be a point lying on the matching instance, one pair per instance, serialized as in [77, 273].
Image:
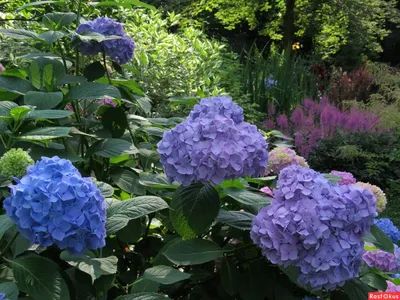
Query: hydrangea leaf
[46, 133]
[5, 224]
[40, 277]
[105, 189]
[193, 209]
[377, 237]
[193, 252]
[357, 290]
[164, 275]
[113, 148]
[94, 71]
[119, 214]
[93, 90]
[17, 113]
[230, 276]
[158, 181]
[43, 100]
[91, 265]
[143, 296]
[10, 289]
[48, 114]
[375, 280]
[128, 181]
[145, 285]
[247, 197]
[237, 219]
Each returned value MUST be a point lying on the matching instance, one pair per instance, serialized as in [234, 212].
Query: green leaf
[111, 3]
[51, 36]
[5, 224]
[70, 79]
[48, 114]
[40, 278]
[278, 134]
[377, 237]
[375, 280]
[237, 219]
[119, 214]
[39, 3]
[20, 245]
[194, 208]
[10, 289]
[144, 104]
[356, 289]
[17, 113]
[229, 276]
[128, 181]
[247, 197]
[5, 108]
[142, 286]
[93, 90]
[94, 71]
[157, 181]
[164, 275]
[15, 85]
[106, 190]
[91, 265]
[189, 101]
[43, 100]
[143, 296]
[193, 252]
[59, 19]
[113, 119]
[333, 178]
[46, 133]
[19, 34]
[113, 148]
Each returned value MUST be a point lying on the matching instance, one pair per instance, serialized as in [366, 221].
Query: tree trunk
[288, 24]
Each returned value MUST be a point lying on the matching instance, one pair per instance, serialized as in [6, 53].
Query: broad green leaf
[111, 3]
[164, 275]
[46, 133]
[17, 113]
[94, 71]
[247, 197]
[113, 148]
[43, 100]
[375, 280]
[15, 85]
[279, 134]
[194, 208]
[70, 79]
[332, 178]
[128, 181]
[37, 152]
[237, 219]
[6, 273]
[189, 101]
[106, 190]
[356, 289]
[261, 180]
[10, 289]
[160, 258]
[230, 276]
[5, 224]
[39, 3]
[193, 252]
[154, 131]
[143, 296]
[48, 114]
[51, 36]
[91, 265]
[144, 103]
[158, 181]
[19, 34]
[377, 237]
[93, 90]
[40, 277]
[119, 214]
[144, 285]
[5, 108]
[59, 19]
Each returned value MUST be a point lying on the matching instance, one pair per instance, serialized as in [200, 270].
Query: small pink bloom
[267, 191]
[2, 69]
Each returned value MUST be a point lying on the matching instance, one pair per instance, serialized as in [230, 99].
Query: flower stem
[105, 67]
[9, 244]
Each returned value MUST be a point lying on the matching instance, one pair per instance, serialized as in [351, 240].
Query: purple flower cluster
[213, 144]
[119, 50]
[347, 178]
[380, 259]
[2, 295]
[312, 121]
[391, 287]
[54, 204]
[315, 226]
[387, 226]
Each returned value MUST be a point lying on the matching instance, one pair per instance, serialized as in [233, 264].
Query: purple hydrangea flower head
[380, 196]
[391, 287]
[380, 259]
[54, 204]
[282, 157]
[387, 226]
[347, 178]
[119, 50]
[107, 101]
[213, 144]
[315, 226]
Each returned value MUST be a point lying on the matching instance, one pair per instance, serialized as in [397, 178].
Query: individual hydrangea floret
[119, 50]
[387, 226]
[14, 163]
[380, 259]
[266, 190]
[379, 195]
[213, 145]
[282, 157]
[54, 204]
[315, 226]
[347, 178]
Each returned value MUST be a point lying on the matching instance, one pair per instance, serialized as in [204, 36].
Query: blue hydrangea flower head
[387, 226]
[2, 295]
[212, 145]
[315, 226]
[119, 50]
[54, 204]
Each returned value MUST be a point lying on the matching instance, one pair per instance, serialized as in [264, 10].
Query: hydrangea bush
[112, 203]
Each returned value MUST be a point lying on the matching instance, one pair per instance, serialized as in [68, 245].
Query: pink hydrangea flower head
[347, 178]
[391, 287]
[280, 158]
[380, 259]
[378, 193]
